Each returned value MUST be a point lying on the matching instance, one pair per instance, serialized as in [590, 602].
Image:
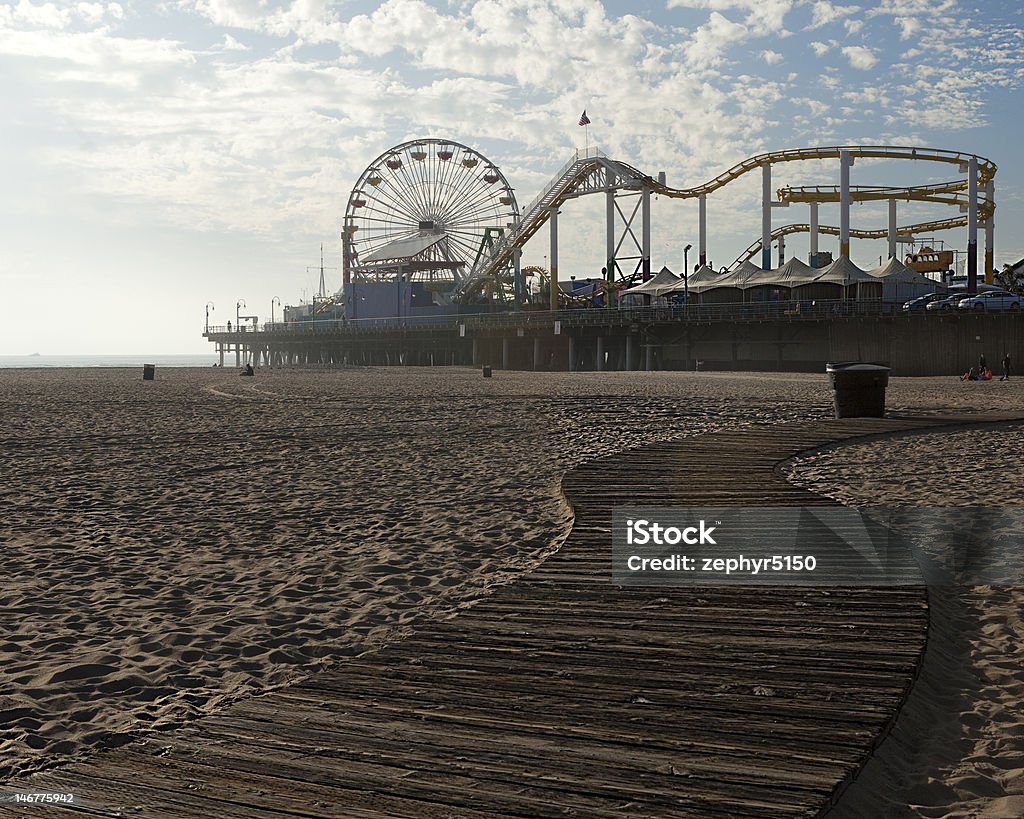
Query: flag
[584, 119]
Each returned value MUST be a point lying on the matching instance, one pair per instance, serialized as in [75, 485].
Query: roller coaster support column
[517, 276]
[553, 272]
[845, 161]
[972, 225]
[609, 222]
[990, 230]
[645, 251]
[892, 228]
[702, 229]
[813, 256]
[766, 216]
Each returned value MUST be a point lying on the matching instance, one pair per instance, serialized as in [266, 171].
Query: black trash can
[859, 389]
[487, 372]
[148, 372]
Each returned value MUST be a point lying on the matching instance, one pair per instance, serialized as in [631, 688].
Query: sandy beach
[957, 749]
[174, 545]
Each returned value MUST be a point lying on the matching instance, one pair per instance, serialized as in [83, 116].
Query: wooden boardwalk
[563, 695]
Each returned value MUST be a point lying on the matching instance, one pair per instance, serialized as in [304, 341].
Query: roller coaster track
[588, 170]
[832, 230]
[945, 193]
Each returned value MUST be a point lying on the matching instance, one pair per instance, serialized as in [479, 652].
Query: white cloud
[709, 43]
[820, 49]
[231, 44]
[771, 57]
[824, 12]
[860, 57]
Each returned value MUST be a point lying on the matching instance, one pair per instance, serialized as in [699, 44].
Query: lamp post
[209, 307]
[275, 299]
[238, 320]
[686, 273]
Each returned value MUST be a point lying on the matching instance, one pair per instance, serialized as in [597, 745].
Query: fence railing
[593, 316]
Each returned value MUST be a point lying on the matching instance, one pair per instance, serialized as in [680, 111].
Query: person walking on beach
[981, 363]
[1006, 368]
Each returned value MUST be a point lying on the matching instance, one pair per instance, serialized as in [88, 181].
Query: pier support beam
[572, 354]
[476, 352]
[990, 231]
[553, 222]
[536, 353]
[599, 363]
[845, 161]
[504, 354]
[220, 352]
[702, 229]
[238, 355]
[972, 225]
[629, 352]
[892, 228]
[766, 216]
[812, 256]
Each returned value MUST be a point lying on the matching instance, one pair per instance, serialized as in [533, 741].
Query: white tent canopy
[843, 271]
[661, 284]
[901, 283]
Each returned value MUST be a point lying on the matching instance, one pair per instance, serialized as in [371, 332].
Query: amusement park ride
[440, 214]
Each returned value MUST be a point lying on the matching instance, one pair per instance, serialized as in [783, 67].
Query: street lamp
[278, 300]
[209, 307]
[686, 273]
[238, 319]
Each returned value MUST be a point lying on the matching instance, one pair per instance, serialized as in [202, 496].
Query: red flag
[584, 119]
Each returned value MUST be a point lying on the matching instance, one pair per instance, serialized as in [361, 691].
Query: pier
[777, 336]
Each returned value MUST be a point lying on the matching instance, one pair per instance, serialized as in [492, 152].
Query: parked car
[991, 300]
[945, 303]
[921, 302]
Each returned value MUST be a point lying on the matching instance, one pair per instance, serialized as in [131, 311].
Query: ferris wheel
[424, 210]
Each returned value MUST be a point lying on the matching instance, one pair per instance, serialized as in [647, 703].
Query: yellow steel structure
[590, 171]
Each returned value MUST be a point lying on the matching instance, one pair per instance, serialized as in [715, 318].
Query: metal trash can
[487, 372]
[859, 389]
[148, 372]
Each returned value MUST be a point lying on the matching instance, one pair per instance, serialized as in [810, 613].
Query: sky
[158, 157]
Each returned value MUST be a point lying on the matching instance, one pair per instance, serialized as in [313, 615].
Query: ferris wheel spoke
[452, 193]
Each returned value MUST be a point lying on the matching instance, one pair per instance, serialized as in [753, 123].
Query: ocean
[108, 360]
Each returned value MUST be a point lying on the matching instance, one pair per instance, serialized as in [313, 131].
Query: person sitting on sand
[248, 370]
[970, 375]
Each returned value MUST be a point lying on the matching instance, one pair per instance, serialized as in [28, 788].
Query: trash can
[859, 389]
[148, 372]
[487, 372]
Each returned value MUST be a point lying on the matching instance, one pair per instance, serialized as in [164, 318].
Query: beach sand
[172, 545]
[957, 748]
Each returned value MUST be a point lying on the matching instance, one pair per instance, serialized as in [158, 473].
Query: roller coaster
[500, 230]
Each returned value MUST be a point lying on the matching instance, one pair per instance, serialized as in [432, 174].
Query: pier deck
[562, 695]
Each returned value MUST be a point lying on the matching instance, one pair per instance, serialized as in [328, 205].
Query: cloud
[710, 41]
[860, 57]
[820, 49]
[824, 12]
[231, 44]
[771, 57]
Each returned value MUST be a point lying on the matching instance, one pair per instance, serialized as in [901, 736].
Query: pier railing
[584, 317]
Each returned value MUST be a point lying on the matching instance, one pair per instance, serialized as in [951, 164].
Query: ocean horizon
[51, 361]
